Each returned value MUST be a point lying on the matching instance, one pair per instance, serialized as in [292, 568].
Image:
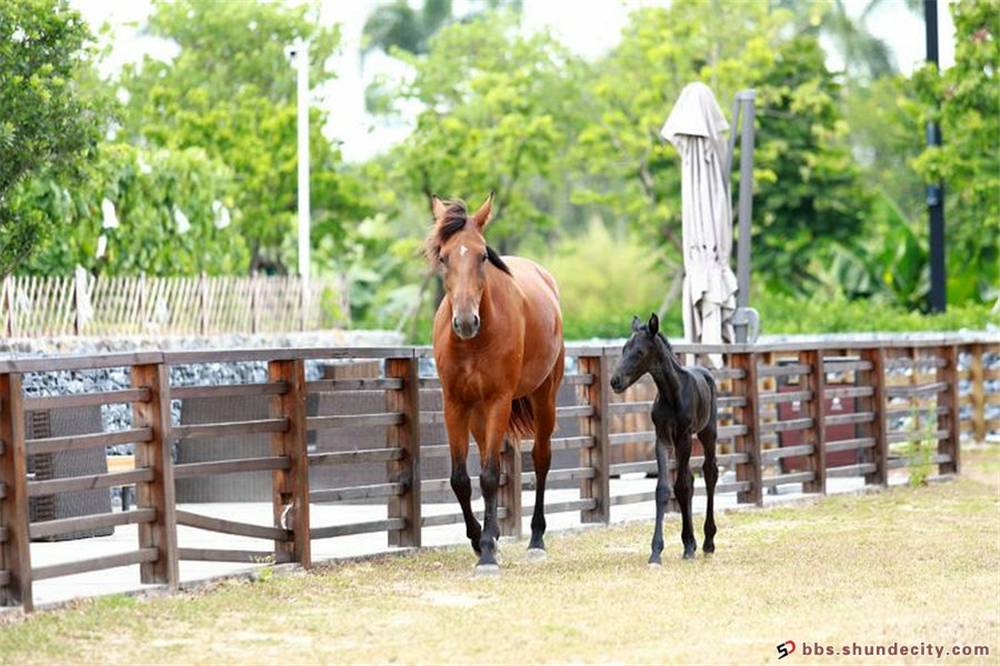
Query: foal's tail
[522, 419]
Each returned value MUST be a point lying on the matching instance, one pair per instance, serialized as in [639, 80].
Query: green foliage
[626, 168]
[603, 281]
[919, 453]
[173, 210]
[231, 92]
[965, 100]
[780, 313]
[499, 110]
[46, 122]
[809, 197]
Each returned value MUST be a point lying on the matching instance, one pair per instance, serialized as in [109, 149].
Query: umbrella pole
[740, 324]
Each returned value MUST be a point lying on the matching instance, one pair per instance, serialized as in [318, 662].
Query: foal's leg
[543, 405]
[684, 491]
[456, 421]
[662, 497]
[497, 416]
[710, 470]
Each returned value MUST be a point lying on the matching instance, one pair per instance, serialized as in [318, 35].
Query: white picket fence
[33, 306]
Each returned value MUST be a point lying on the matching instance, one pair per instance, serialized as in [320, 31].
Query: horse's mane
[456, 216]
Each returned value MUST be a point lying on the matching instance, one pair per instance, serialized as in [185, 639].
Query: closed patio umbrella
[695, 127]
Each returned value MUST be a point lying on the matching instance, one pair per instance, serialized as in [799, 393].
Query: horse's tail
[522, 419]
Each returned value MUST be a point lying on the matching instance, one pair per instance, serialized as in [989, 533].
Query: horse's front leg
[456, 420]
[662, 497]
[497, 417]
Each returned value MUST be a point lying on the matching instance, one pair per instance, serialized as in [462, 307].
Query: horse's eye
[443, 259]
[484, 257]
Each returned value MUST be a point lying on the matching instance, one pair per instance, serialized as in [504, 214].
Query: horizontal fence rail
[32, 306]
[792, 413]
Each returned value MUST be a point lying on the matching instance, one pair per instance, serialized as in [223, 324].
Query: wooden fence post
[977, 380]
[598, 456]
[15, 551]
[290, 488]
[878, 429]
[202, 304]
[254, 304]
[748, 416]
[405, 436]
[948, 420]
[9, 287]
[158, 494]
[510, 493]
[815, 381]
[79, 294]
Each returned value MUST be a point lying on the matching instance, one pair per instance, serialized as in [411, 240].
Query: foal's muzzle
[618, 384]
[465, 327]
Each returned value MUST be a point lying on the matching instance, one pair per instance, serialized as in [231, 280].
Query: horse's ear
[636, 324]
[438, 207]
[485, 212]
[653, 325]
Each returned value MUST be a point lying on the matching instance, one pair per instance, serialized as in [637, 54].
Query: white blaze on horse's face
[463, 261]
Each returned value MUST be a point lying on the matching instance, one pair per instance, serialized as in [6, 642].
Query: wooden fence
[902, 393]
[32, 306]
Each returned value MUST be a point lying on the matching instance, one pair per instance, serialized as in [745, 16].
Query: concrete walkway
[126, 579]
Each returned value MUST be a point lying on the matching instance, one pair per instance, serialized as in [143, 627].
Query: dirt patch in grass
[910, 566]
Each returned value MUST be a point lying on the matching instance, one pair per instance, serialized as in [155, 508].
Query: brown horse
[499, 351]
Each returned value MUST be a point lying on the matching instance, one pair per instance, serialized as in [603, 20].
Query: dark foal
[684, 405]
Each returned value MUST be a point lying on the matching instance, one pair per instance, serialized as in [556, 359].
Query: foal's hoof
[655, 566]
[486, 571]
[688, 555]
[537, 554]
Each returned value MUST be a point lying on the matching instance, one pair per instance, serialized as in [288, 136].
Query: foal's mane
[456, 216]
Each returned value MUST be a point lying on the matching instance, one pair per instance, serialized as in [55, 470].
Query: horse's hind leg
[543, 404]
[457, 425]
[684, 491]
[710, 470]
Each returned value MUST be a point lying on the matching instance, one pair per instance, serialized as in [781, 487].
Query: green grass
[907, 565]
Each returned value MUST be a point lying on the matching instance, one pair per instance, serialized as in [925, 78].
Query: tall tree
[397, 25]
[46, 122]
[231, 92]
[965, 100]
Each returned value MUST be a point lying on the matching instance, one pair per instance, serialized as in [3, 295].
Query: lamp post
[299, 54]
[935, 191]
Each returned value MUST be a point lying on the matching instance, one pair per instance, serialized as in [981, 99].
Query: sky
[588, 27]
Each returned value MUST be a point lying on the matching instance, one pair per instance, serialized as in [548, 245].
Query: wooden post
[748, 416]
[815, 381]
[598, 456]
[878, 429]
[977, 380]
[509, 495]
[290, 488]
[9, 287]
[202, 304]
[159, 493]
[15, 551]
[254, 304]
[405, 436]
[948, 420]
[79, 294]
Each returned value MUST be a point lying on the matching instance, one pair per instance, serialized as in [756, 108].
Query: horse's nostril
[475, 321]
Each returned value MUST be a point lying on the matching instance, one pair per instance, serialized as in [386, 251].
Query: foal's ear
[438, 207]
[653, 325]
[636, 324]
[485, 212]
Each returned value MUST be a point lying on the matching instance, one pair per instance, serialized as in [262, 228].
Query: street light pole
[935, 191]
[302, 67]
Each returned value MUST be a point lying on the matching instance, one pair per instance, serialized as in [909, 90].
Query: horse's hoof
[655, 565]
[486, 570]
[688, 555]
[537, 554]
